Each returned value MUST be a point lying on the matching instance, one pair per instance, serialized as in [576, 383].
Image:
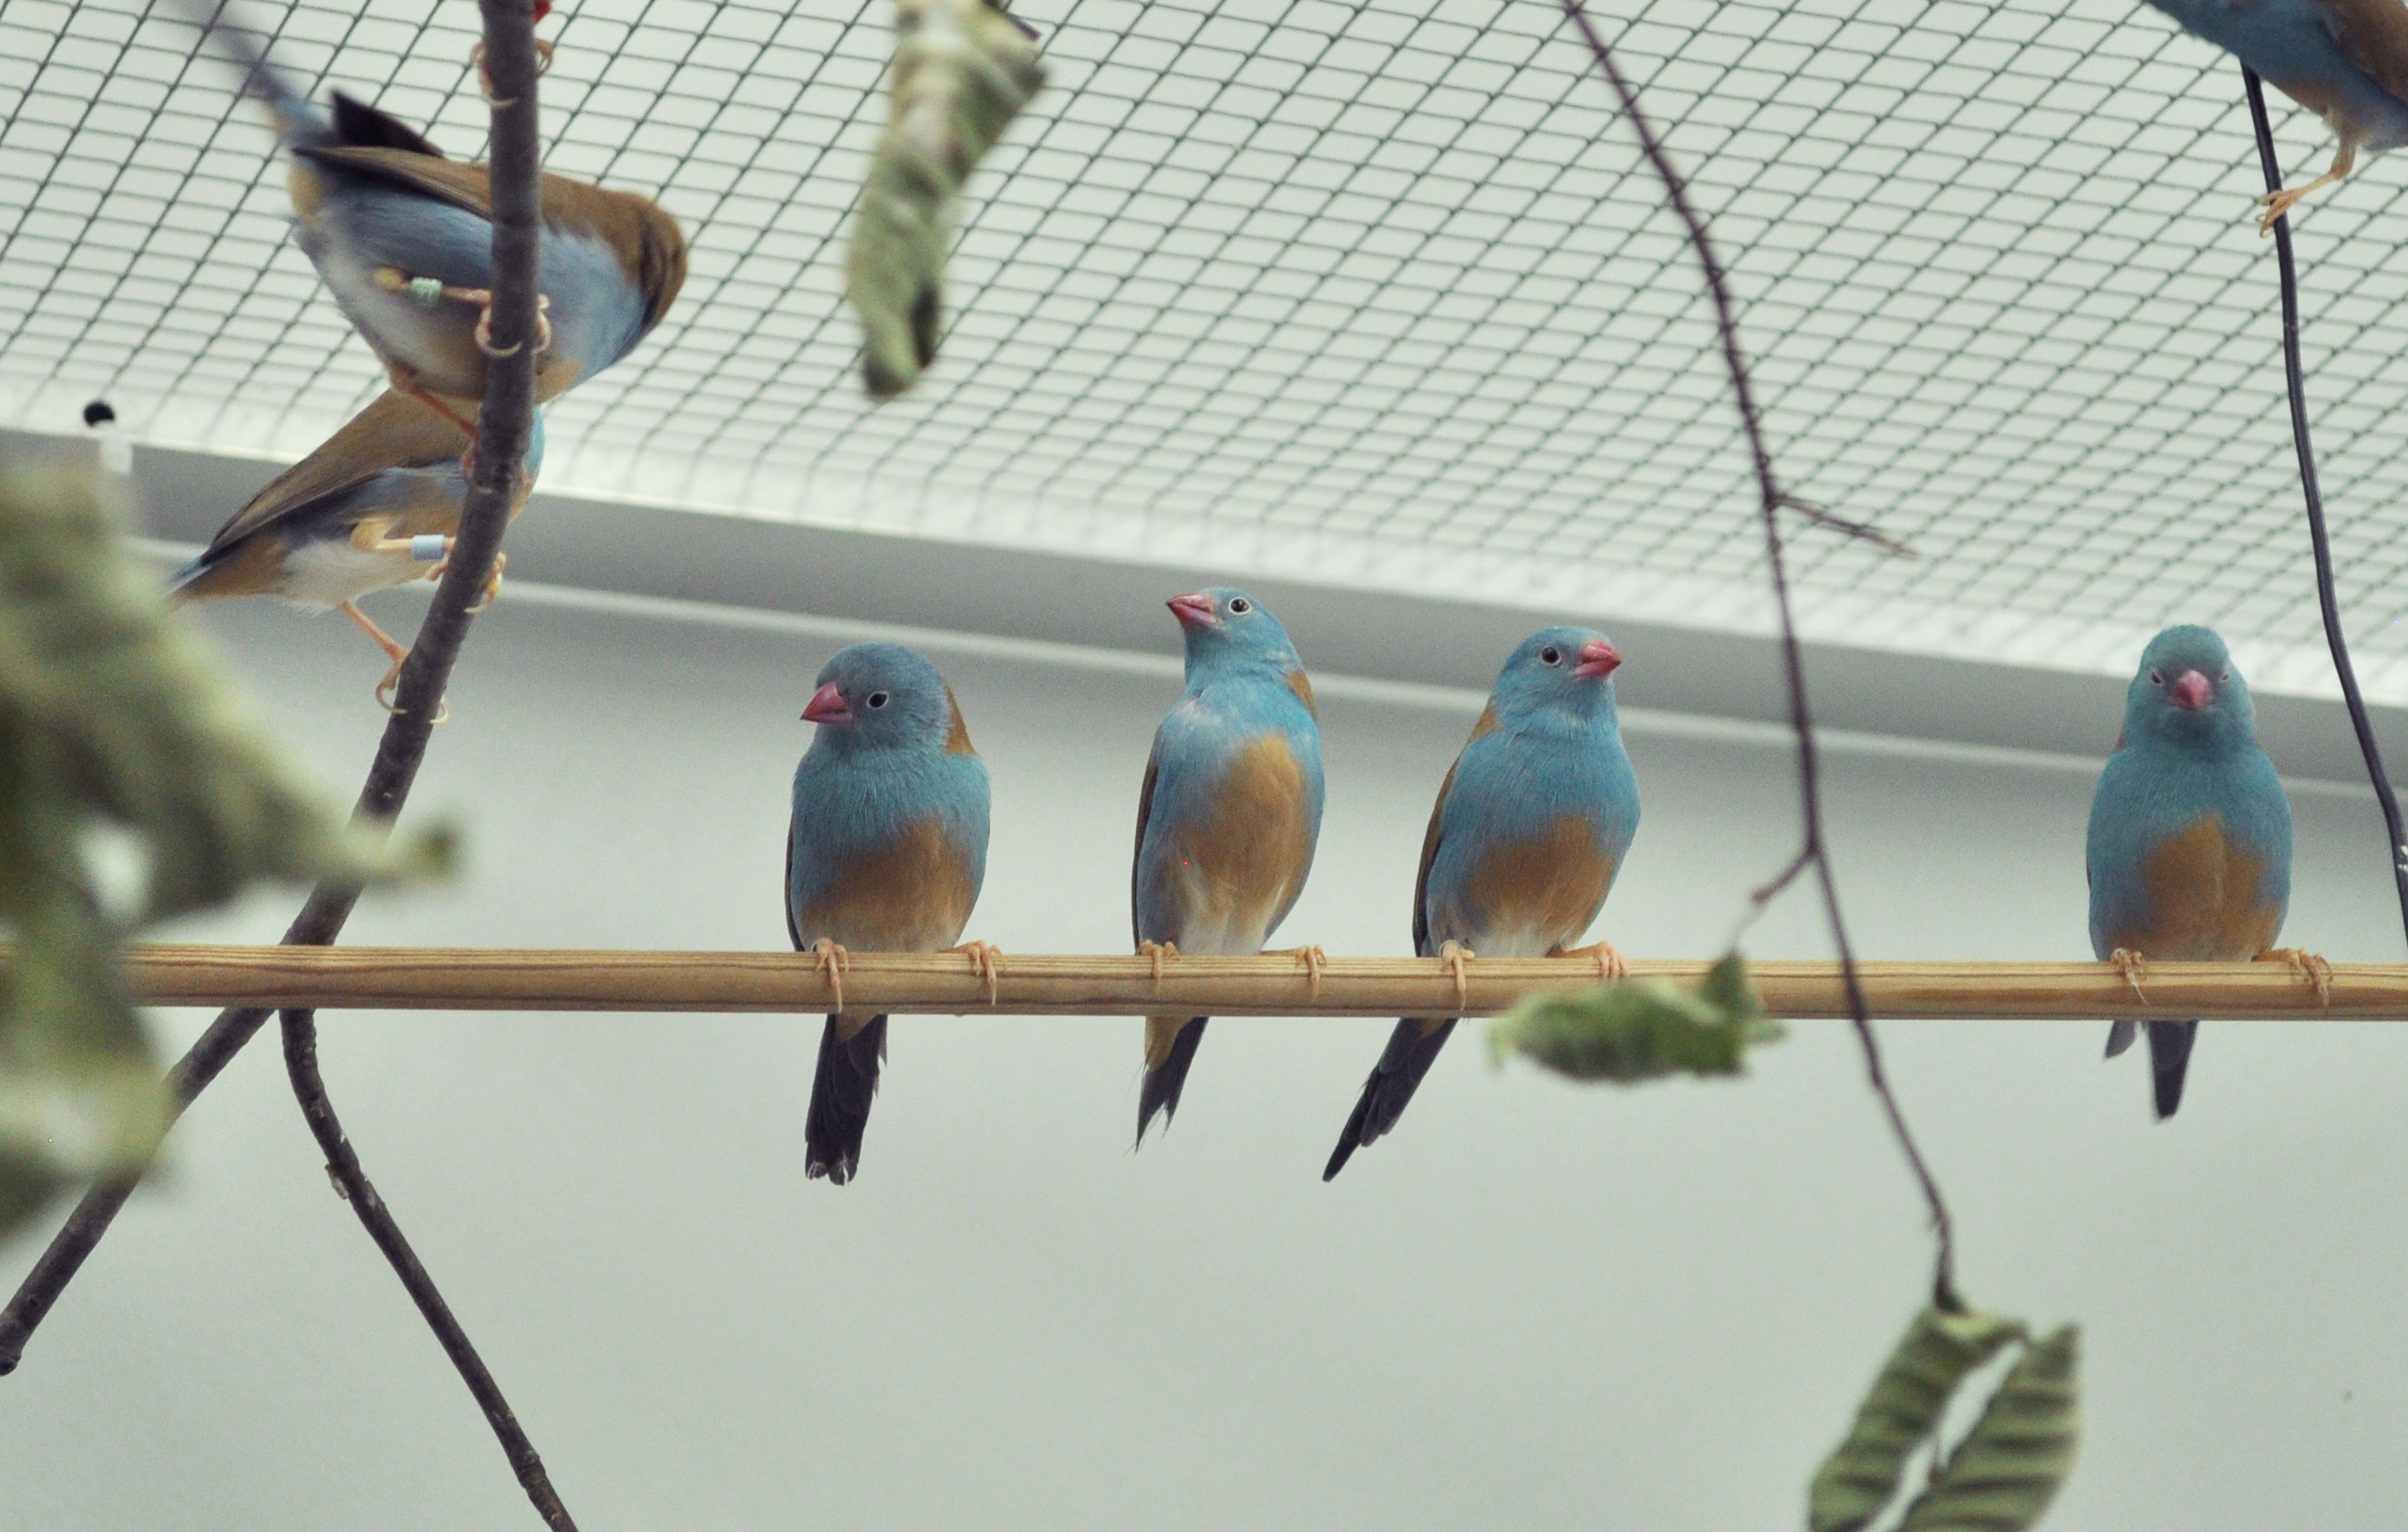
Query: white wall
[1535, 1306]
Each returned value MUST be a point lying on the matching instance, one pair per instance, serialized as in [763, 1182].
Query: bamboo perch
[502, 979]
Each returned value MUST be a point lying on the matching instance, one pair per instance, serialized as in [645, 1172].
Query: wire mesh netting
[1375, 293]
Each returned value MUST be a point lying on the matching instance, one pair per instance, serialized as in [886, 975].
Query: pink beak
[1193, 611]
[1597, 658]
[826, 707]
[2192, 690]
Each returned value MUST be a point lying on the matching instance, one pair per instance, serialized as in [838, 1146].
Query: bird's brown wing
[2373, 33]
[1144, 812]
[1429, 854]
[786, 896]
[469, 187]
[393, 432]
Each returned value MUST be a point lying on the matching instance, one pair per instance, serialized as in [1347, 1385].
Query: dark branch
[504, 427]
[2327, 602]
[1814, 850]
[343, 1163]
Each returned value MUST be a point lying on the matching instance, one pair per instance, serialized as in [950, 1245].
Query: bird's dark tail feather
[1409, 1056]
[1163, 1080]
[2170, 1045]
[840, 1097]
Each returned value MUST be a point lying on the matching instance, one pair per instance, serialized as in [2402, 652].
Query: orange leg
[1611, 963]
[988, 959]
[2278, 202]
[1157, 951]
[1454, 954]
[2307, 965]
[2132, 966]
[1314, 959]
[408, 384]
[832, 962]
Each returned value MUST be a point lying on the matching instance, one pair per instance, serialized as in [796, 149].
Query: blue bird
[376, 505]
[886, 853]
[1230, 813]
[2346, 61]
[403, 237]
[2189, 851]
[1532, 824]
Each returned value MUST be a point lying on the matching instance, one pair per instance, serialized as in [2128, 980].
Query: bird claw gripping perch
[1157, 951]
[2131, 965]
[831, 960]
[1314, 959]
[1611, 963]
[2309, 965]
[1454, 954]
[485, 79]
[988, 959]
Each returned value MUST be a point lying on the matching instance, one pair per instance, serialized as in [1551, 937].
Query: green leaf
[113, 713]
[1640, 1029]
[1900, 1414]
[2010, 1465]
[963, 70]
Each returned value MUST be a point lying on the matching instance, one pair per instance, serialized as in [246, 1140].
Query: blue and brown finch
[376, 506]
[404, 237]
[885, 854]
[2346, 61]
[2189, 849]
[1532, 824]
[1230, 813]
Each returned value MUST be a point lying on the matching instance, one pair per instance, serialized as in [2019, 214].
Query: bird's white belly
[327, 573]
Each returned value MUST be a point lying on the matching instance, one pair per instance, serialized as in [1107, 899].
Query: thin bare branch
[1814, 850]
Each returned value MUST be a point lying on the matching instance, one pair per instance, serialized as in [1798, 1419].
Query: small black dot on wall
[98, 413]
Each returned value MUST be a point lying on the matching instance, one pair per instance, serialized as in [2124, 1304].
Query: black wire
[2327, 602]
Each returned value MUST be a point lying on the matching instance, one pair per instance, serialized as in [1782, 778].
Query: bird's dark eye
[2156, 678]
[1551, 656]
[1240, 605]
[2223, 674]
[878, 699]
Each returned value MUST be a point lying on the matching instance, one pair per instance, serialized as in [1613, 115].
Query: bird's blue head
[1563, 670]
[874, 697]
[2188, 692]
[1223, 626]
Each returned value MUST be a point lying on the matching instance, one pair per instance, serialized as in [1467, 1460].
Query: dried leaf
[112, 714]
[1640, 1029]
[963, 70]
[1900, 1414]
[2003, 1475]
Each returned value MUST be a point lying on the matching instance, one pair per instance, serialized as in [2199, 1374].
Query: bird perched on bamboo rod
[1229, 816]
[376, 505]
[402, 238]
[2189, 847]
[1532, 824]
[2346, 61]
[885, 852]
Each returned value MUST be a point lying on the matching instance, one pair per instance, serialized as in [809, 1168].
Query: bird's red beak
[1194, 610]
[826, 707]
[2192, 691]
[1597, 658]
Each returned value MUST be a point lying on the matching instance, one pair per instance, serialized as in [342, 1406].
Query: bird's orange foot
[1611, 963]
[2131, 965]
[832, 960]
[1157, 951]
[2275, 205]
[492, 590]
[1314, 959]
[485, 324]
[1455, 954]
[988, 959]
[2307, 965]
